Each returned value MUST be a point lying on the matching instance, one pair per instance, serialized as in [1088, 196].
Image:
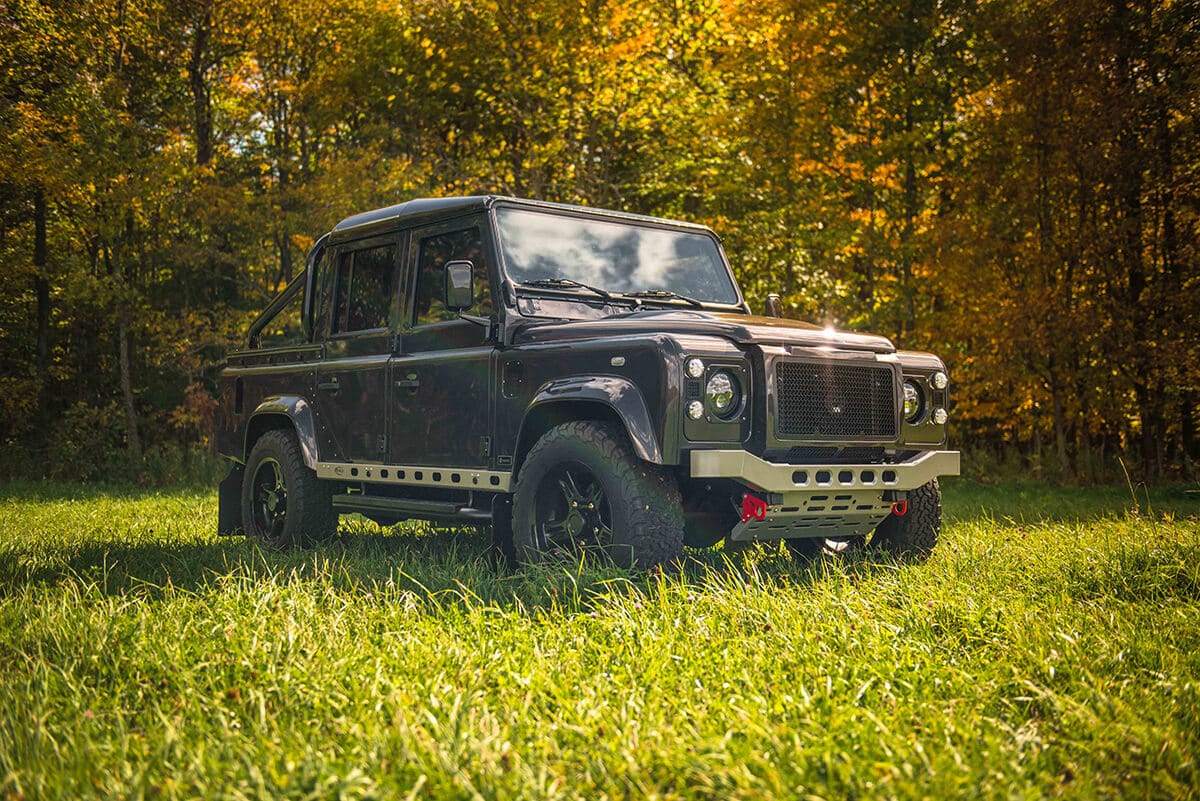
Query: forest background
[1012, 184]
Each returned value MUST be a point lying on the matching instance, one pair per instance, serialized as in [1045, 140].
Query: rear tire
[284, 504]
[583, 488]
[914, 535]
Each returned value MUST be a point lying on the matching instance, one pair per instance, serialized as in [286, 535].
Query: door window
[435, 251]
[363, 297]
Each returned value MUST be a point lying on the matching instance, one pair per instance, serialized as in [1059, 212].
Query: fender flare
[619, 394]
[298, 411]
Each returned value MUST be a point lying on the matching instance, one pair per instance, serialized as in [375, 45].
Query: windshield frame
[619, 301]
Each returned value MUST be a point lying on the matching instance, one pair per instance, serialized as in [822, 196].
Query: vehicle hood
[744, 329]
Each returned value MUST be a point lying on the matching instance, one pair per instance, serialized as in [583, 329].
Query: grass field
[1051, 647]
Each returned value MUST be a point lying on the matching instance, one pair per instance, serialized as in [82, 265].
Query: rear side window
[363, 296]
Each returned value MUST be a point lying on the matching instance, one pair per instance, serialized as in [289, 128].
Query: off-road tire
[914, 535]
[309, 515]
[643, 499]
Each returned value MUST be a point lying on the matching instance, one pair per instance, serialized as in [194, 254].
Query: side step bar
[406, 507]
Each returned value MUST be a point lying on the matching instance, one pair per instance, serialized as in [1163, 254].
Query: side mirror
[460, 287]
[774, 305]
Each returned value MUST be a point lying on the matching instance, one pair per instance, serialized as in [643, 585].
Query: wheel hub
[570, 511]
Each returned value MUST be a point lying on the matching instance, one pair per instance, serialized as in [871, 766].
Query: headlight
[914, 402]
[939, 380]
[724, 394]
[695, 368]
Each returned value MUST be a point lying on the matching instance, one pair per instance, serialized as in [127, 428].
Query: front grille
[834, 401]
[813, 454]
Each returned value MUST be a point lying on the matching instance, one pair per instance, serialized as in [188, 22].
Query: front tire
[284, 504]
[914, 535]
[583, 488]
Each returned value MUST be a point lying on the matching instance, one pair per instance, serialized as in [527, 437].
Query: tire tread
[655, 516]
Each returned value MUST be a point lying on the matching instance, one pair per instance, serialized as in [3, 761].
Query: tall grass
[1050, 647]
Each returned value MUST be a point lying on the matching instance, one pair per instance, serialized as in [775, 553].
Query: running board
[407, 507]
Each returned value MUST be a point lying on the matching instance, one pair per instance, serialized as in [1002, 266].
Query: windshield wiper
[664, 294]
[559, 283]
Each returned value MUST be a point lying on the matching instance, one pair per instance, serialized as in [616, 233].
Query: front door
[352, 379]
[441, 379]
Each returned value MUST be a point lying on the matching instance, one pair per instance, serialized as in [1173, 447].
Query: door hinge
[383, 443]
[485, 445]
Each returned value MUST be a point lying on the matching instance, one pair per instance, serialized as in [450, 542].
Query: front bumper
[820, 500]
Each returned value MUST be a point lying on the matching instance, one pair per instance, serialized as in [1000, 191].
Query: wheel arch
[605, 398]
[284, 412]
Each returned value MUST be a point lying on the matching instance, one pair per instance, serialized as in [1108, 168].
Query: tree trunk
[197, 81]
[41, 288]
[1187, 427]
[134, 441]
[1060, 432]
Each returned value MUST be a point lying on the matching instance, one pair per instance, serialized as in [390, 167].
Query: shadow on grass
[452, 565]
[436, 566]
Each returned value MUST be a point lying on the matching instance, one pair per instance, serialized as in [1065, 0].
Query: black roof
[427, 209]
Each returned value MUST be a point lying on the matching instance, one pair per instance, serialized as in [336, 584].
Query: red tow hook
[753, 508]
[900, 508]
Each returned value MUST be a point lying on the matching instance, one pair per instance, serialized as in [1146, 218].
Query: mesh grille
[810, 454]
[830, 400]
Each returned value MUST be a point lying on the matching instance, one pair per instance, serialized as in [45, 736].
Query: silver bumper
[820, 500]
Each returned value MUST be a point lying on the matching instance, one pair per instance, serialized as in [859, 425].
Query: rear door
[441, 377]
[359, 308]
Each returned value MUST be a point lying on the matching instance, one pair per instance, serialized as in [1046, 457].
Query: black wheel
[914, 535]
[582, 488]
[284, 504]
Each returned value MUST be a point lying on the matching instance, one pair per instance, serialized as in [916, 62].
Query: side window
[363, 292]
[324, 293]
[434, 252]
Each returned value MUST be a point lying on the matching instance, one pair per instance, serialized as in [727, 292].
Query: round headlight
[695, 410]
[939, 380]
[723, 393]
[695, 368]
[914, 402]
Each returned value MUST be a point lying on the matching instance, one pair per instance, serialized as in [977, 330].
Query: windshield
[611, 255]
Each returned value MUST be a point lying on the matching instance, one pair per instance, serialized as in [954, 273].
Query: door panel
[360, 311]
[351, 394]
[441, 380]
[440, 407]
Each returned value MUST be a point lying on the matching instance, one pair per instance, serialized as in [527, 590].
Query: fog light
[940, 416]
[695, 410]
[939, 380]
[695, 368]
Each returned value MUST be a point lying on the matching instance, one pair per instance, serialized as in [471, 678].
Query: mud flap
[229, 502]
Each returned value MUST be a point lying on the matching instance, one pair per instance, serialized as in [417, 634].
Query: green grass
[1051, 647]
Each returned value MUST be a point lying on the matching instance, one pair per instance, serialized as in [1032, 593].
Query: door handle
[408, 383]
[328, 386]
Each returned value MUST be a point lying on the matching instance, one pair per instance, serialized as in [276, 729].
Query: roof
[428, 209]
